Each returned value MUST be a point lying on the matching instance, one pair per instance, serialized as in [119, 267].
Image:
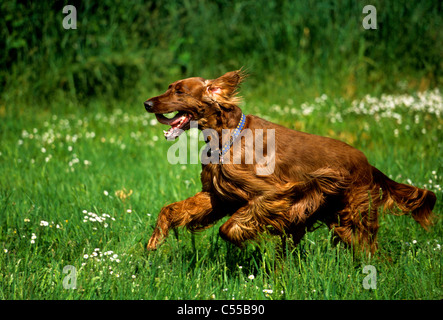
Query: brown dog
[311, 178]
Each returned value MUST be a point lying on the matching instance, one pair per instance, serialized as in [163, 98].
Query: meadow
[84, 170]
[83, 189]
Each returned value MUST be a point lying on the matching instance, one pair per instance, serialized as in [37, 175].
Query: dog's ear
[224, 89]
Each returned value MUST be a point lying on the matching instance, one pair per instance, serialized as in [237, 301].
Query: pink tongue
[176, 120]
[171, 122]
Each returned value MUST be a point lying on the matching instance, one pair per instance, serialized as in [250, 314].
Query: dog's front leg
[269, 209]
[192, 212]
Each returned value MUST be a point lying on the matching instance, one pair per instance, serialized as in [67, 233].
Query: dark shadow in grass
[267, 255]
[263, 255]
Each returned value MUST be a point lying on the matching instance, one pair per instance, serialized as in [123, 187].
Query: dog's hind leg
[357, 223]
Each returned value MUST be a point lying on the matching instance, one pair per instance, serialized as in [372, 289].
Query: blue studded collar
[234, 135]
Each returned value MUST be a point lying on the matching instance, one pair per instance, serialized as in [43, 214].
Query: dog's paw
[152, 244]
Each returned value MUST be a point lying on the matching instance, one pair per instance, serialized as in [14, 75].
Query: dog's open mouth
[178, 122]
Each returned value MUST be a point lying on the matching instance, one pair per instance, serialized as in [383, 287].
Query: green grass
[77, 145]
[310, 46]
[64, 163]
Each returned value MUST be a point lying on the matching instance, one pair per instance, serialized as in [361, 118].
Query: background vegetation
[83, 169]
[306, 47]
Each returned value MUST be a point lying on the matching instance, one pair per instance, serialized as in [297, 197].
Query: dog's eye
[178, 91]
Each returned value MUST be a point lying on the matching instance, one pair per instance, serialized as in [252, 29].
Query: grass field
[84, 170]
[82, 187]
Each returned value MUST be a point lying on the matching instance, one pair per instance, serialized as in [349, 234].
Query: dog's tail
[409, 199]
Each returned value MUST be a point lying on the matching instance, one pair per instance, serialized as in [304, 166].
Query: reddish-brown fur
[314, 179]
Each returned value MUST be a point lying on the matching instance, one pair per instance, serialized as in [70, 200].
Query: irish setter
[312, 178]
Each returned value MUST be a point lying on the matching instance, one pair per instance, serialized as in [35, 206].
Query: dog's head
[209, 102]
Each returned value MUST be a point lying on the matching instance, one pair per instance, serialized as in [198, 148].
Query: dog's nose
[148, 105]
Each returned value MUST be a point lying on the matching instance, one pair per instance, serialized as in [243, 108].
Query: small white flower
[414, 241]
[133, 276]
[6, 251]
[270, 291]
[129, 211]
[44, 223]
[85, 256]
[251, 277]
[43, 150]
[106, 193]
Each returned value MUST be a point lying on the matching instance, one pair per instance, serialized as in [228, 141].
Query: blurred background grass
[132, 49]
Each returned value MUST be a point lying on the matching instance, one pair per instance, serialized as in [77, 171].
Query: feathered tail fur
[409, 199]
